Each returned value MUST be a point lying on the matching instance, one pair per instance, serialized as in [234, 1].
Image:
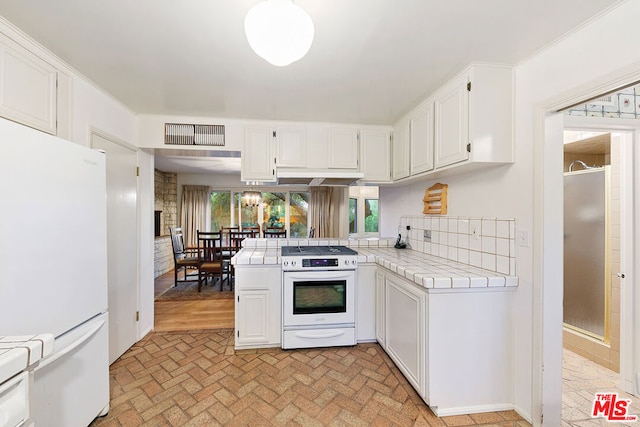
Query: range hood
[316, 178]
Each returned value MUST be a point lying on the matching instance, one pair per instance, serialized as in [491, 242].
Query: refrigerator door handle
[68, 349]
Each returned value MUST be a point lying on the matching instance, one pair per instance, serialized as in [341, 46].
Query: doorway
[598, 352]
[122, 241]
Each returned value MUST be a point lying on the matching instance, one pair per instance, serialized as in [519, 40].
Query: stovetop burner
[316, 251]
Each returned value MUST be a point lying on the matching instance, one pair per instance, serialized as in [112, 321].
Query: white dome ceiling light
[279, 31]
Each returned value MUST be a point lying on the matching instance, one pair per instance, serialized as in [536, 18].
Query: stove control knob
[354, 262]
[346, 262]
[293, 263]
[286, 263]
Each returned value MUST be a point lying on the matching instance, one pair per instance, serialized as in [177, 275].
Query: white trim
[465, 410]
[547, 256]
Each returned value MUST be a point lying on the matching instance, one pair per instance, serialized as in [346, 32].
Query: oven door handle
[316, 335]
[319, 275]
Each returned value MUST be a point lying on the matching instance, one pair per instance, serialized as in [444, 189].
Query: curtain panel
[321, 209]
[194, 207]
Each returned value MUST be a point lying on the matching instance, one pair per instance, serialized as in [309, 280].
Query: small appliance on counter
[401, 241]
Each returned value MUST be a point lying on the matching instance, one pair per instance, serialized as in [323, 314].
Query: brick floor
[196, 378]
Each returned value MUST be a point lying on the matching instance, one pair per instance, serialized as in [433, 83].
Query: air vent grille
[604, 100]
[186, 134]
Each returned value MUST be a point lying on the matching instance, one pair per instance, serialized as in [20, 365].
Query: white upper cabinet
[451, 107]
[474, 118]
[401, 147]
[375, 155]
[27, 87]
[343, 148]
[291, 143]
[466, 124]
[257, 156]
[422, 138]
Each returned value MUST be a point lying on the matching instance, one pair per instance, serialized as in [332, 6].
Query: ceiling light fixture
[279, 31]
[252, 198]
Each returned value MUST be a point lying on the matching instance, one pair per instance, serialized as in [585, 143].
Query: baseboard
[463, 410]
[524, 414]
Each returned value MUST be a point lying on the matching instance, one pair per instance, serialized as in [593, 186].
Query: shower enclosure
[586, 249]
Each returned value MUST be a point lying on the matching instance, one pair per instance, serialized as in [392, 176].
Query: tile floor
[197, 379]
[583, 378]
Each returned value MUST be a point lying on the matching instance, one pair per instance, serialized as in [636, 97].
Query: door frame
[547, 250]
[94, 131]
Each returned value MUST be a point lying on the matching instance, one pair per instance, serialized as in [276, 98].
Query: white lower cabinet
[380, 308]
[454, 346]
[405, 338]
[258, 310]
[366, 303]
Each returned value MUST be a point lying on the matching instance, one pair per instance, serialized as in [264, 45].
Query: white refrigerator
[53, 269]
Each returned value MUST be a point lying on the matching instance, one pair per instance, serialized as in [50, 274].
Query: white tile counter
[18, 353]
[425, 270]
[434, 272]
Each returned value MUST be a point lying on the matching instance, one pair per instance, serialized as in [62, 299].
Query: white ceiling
[370, 62]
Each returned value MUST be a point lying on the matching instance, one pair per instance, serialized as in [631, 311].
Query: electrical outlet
[408, 227]
[523, 238]
[427, 235]
[475, 232]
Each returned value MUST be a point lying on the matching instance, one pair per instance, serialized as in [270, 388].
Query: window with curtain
[220, 210]
[371, 215]
[193, 211]
[286, 210]
[298, 212]
[274, 210]
[353, 215]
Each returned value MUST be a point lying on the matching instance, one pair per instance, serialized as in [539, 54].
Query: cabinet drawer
[258, 277]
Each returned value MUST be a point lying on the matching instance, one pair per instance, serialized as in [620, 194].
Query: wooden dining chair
[184, 258]
[235, 244]
[210, 262]
[255, 230]
[275, 234]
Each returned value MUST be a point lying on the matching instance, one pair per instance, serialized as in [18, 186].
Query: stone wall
[166, 201]
[163, 256]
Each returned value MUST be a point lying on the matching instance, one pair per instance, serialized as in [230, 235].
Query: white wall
[584, 63]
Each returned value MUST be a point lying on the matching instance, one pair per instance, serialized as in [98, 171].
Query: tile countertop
[425, 270]
[18, 353]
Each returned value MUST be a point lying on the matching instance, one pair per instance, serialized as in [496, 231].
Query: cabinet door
[291, 143]
[252, 317]
[257, 160]
[405, 317]
[366, 303]
[375, 155]
[422, 138]
[343, 148]
[451, 106]
[401, 135]
[27, 88]
[380, 308]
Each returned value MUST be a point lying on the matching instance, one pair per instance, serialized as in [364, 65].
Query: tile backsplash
[487, 243]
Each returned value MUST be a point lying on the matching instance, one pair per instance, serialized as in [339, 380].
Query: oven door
[317, 298]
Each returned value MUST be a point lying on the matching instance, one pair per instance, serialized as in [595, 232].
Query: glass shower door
[585, 251]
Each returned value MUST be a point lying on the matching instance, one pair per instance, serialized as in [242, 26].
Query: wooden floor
[190, 315]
